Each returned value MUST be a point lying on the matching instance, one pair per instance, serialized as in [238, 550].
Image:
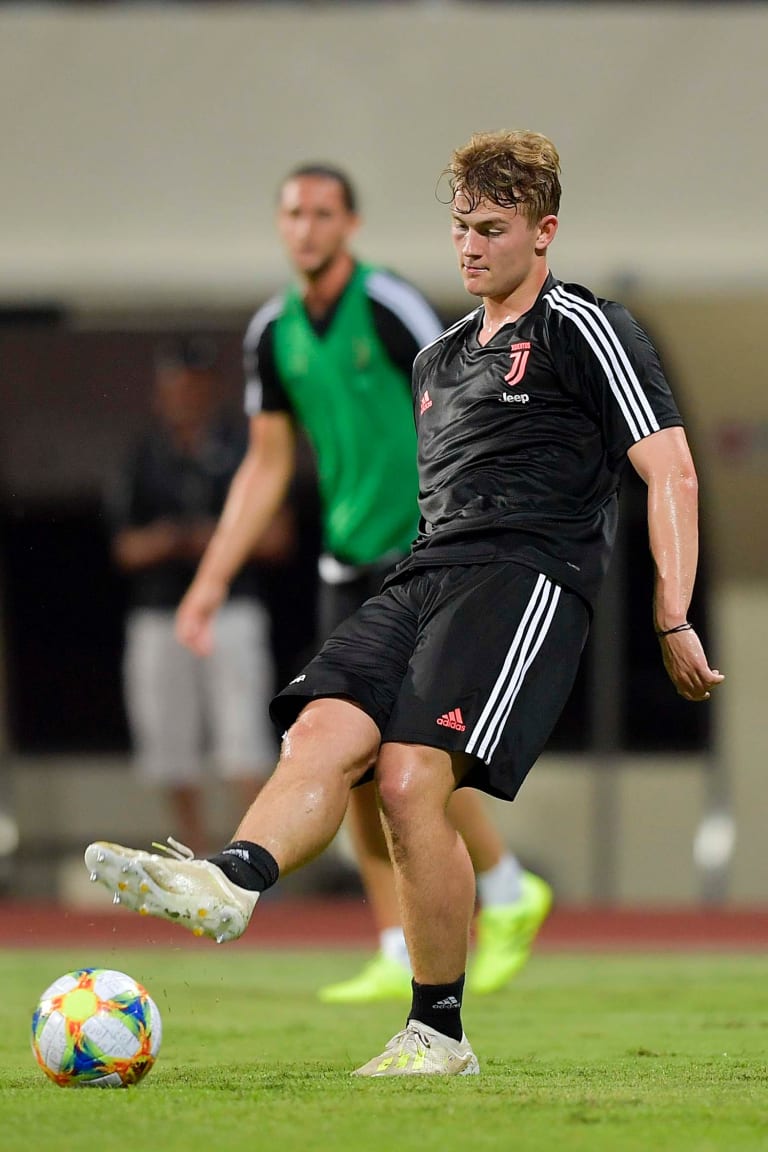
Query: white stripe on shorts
[534, 625]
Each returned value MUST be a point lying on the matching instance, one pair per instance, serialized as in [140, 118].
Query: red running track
[324, 923]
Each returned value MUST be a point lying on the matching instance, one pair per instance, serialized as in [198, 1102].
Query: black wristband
[678, 628]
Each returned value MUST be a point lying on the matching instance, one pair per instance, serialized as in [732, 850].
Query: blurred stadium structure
[143, 150]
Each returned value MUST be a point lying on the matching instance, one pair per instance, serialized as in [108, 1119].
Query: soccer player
[527, 410]
[333, 356]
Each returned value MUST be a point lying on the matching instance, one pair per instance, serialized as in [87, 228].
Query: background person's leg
[513, 902]
[387, 975]
[164, 702]
[469, 816]
[239, 681]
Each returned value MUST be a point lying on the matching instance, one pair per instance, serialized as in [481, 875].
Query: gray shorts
[185, 712]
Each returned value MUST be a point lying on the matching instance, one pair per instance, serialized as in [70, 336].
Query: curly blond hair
[508, 168]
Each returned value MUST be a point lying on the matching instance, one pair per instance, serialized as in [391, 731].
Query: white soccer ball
[96, 1028]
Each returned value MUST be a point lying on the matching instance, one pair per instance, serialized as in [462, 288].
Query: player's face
[497, 248]
[185, 401]
[314, 223]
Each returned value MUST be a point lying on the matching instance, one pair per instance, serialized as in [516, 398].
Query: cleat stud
[121, 885]
[197, 932]
[93, 877]
[125, 868]
[226, 918]
[100, 858]
[220, 939]
[202, 912]
[116, 898]
[143, 911]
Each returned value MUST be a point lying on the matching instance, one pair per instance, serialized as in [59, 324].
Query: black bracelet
[678, 628]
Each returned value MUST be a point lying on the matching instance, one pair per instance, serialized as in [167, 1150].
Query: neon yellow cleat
[505, 935]
[380, 979]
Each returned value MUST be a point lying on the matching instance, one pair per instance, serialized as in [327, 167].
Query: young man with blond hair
[332, 356]
[526, 411]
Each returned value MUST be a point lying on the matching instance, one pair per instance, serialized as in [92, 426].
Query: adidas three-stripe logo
[608, 349]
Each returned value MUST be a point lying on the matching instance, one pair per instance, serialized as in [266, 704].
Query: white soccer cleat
[421, 1051]
[192, 893]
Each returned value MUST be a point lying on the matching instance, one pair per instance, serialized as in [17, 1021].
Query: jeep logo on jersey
[514, 397]
[518, 354]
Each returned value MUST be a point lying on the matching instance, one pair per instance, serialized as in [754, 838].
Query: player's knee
[414, 785]
[401, 794]
[333, 734]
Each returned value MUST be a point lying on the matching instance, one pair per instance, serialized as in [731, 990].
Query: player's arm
[663, 461]
[257, 492]
[135, 548]
[162, 540]
[139, 538]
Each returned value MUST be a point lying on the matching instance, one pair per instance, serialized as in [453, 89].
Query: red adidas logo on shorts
[452, 719]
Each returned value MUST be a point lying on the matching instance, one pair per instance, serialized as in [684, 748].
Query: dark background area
[71, 403]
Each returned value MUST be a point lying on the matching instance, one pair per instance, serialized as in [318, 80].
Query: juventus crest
[518, 354]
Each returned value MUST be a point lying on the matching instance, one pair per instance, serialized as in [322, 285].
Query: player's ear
[546, 229]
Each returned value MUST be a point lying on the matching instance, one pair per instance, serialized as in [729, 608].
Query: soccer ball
[96, 1028]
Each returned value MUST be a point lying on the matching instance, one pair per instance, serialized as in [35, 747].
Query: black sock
[247, 865]
[439, 1006]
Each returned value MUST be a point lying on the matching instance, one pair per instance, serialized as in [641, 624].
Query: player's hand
[194, 616]
[687, 665]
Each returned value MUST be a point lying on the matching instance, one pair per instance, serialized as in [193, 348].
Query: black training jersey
[522, 440]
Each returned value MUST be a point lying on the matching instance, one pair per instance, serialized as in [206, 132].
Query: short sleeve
[405, 321]
[264, 390]
[610, 359]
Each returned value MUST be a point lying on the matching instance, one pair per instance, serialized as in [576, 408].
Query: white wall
[142, 145]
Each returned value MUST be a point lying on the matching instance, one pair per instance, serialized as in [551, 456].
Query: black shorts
[338, 599]
[469, 658]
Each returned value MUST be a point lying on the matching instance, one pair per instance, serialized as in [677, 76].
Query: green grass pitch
[581, 1054]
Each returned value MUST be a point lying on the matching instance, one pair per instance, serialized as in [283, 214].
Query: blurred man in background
[169, 497]
[332, 356]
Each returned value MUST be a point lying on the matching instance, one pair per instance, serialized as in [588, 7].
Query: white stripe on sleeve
[406, 303]
[621, 376]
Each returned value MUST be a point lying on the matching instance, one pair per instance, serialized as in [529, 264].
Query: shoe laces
[410, 1039]
[175, 849]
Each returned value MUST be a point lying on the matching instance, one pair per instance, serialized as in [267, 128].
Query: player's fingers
[695, 688]
[204, 639]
